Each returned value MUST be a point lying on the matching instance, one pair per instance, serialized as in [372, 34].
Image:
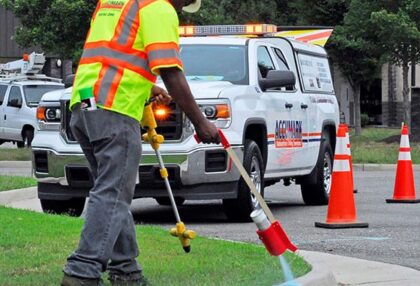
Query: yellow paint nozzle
[184, 235]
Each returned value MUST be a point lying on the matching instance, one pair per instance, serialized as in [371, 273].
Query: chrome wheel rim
[327, 173]
[255, 175]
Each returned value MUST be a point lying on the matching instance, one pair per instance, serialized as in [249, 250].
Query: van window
[265, 63]
[3, 89]
[315, 73]
[15, 94]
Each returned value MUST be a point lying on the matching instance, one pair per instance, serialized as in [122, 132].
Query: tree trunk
[406, 95]
[357, 119]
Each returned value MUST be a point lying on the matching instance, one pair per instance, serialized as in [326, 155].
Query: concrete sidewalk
[354, 271]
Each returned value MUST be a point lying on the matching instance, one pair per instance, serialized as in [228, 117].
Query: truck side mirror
[68, 82]
[15, 103]
[277, 79]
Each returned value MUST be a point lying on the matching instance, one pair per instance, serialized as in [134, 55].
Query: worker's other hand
[160, 95]
[207, 132]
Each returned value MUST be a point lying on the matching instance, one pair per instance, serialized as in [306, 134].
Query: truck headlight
[218, 112]
[48, 117]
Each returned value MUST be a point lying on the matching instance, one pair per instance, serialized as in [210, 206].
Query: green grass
[370, 147]
[9, 154]
[15, 182]
[34, 248]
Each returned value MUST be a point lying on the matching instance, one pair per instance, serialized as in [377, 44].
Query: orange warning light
[161, 112]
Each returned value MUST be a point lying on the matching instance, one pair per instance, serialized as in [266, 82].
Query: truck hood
[200, 89]
[205, 89]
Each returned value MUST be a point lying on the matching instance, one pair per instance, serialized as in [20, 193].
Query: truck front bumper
[205, 172]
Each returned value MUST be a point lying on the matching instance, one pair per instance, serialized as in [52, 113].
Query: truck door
[298, 106]
[13, 112]
[278, 114]
[3, 90]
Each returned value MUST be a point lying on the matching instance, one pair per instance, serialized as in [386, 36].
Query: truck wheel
[318, 193]
[165, 201]
[72, 207]
[239, 209]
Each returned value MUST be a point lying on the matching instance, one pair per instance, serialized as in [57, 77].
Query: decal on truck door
[288, 134]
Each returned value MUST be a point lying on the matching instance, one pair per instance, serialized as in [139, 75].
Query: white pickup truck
[273, 98]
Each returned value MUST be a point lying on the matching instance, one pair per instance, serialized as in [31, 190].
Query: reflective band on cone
[341, 207]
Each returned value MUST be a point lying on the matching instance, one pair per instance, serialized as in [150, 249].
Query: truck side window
[3, 89]
[15, 94]
[281, 61]
[265, 62]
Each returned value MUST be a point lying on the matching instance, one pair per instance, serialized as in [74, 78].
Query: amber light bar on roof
[215, 30]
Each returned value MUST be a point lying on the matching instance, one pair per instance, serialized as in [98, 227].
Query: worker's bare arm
[178, 88]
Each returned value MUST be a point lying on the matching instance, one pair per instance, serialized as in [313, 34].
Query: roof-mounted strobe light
[220, 30]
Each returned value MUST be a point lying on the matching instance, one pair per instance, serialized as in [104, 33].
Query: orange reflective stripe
[117, 47]
[116, 62]
[123, 23]
[163, 54]
[162, 46]
[113, 90]
[165, 62]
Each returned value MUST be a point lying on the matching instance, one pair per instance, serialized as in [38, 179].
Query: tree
[224, 12]
[354, 49]
[59, 27]
[321, 12]
[398, 29]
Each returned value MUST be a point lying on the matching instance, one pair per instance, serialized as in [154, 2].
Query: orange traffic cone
[404, 189]
[350, 160]
[341, 206]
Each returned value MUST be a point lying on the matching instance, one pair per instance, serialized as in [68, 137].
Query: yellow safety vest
[128, 42]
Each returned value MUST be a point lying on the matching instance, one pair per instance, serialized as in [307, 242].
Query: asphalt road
[393, 235]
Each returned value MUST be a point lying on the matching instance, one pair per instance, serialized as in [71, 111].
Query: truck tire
[165, 201]
[73, 207]
[239, 209]
[318, 193]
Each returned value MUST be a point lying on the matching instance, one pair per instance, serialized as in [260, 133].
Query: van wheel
[319, 193]
[28, 136]
[239, 209]
[165, 201]
[73, 207]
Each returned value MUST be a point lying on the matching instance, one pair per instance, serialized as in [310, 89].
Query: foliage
[57, 26]
[14, 182]
[364, 119]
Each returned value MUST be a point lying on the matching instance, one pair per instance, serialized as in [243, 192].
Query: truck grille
[170, 127]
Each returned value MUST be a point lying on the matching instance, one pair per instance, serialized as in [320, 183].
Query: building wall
[392, 93]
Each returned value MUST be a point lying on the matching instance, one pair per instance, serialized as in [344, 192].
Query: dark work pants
[112, 146]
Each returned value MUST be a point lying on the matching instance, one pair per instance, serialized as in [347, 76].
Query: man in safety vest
[130, 42]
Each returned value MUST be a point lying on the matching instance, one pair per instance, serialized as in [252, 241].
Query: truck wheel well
[258, 133]
[329, 131]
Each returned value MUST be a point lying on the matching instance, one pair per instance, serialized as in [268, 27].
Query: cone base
[355, 191]
[342, 225]
[402, 201]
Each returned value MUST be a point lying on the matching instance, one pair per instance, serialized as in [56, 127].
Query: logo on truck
[288, 134]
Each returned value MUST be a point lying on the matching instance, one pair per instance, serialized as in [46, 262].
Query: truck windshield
[215, 63]
[33, 93]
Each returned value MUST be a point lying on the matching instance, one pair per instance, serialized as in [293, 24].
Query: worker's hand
[161, 96]
[207, 132]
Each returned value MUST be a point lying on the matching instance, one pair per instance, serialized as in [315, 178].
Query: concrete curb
[15, 164]
[320, 275]
[379, 167]
[7, 197]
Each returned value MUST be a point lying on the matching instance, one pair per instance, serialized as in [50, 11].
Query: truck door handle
[5, 117]
[288, 105]
[303, 106]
